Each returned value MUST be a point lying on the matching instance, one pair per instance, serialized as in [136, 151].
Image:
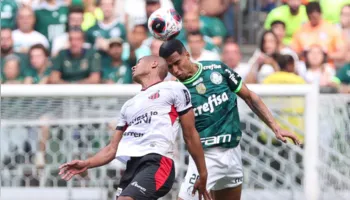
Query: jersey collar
[143, 89]
[196, 75]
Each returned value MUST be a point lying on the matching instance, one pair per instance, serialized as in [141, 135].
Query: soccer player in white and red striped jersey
[145, 137]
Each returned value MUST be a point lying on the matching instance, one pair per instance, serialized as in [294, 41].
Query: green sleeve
[95, 62]
[123, 32]
[28, 72]
[105, 74]
[48, 71]
[57, 62]
[234, 81]
[90, 38]
[341, 74]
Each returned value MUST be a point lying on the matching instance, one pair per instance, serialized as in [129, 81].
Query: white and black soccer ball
[165, 24]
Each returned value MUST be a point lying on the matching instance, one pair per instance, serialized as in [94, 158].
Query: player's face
[37, 58]
[279, 31]
[179, 65]
[314, 18]
[26, 20]
[294, 5]
[141, 69]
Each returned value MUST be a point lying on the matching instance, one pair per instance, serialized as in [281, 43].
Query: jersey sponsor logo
[232, 76]
[133, 134]
[187, 97]
[211, 67]
[213, 101]
[135, 184]
[209, 141]
[201, 89]
[216, 78]
[55, 14]
[154, 96]
[145, 118]
[63, 19]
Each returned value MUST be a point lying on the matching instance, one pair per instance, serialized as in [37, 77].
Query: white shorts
[224, 171]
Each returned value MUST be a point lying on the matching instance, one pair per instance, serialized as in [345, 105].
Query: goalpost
[80, 118]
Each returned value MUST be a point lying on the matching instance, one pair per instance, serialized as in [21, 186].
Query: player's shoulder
[171, 85]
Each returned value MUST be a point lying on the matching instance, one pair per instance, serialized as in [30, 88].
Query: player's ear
[154, 64]
[187, 54]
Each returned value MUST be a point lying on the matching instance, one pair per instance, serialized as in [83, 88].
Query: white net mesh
[40, 133]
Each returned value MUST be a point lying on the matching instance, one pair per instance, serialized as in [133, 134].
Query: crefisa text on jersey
[213, 101]
[211, 67]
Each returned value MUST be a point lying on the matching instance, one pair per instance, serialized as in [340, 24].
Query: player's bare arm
[103, 157]
[259, 108]
[194, 146]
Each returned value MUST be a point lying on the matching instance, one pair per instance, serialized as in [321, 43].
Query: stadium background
[40, 133]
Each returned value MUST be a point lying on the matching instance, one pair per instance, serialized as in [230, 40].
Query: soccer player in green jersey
[214, 88]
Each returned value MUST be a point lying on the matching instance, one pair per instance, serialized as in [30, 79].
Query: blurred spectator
[293, 15]
[8, 10]
[25, 36]
[77, 64]
[232, 56]
[109, 27]
[196, 48]
[317, 68]
[135, 49]
[155, 46]
[6, 43]
[75, 19]
[278, 28]
[286, 75]
[263, 61]
[214, 8]
[12, 70]
[40, 66]
[331, 9]
[139, 14]
[117, 71]
[212, 28]
[345, 27]
[51, 18]
[318, 31]
[92, 14]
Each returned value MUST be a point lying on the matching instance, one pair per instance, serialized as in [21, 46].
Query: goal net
[43, 126]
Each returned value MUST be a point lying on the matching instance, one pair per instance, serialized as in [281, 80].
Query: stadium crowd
[98, 41]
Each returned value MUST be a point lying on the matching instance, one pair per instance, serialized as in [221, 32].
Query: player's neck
[149, 81]
[193, 70]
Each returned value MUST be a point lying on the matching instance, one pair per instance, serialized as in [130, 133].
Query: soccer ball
[165, 24]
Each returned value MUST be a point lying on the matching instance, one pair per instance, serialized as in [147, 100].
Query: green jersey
[112, 30]
[118, 74]
[213, 93]
[34, 74]
[8, 10]
[76, 69]
[51, 20]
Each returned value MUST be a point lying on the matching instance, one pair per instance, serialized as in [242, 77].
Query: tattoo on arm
[260, 109]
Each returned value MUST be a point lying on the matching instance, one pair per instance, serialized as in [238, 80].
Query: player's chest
[156, 101]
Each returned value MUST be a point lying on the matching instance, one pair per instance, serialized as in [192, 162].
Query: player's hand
[68, 170]
[200, 185]
[283, 135]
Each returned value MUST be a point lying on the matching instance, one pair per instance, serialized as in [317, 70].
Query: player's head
[177, 58]
[151, 68]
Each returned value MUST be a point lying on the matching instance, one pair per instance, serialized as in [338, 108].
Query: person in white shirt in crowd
[75, 19]
[25, 36]
[318, 70]
[232, 56]
[196, 46]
